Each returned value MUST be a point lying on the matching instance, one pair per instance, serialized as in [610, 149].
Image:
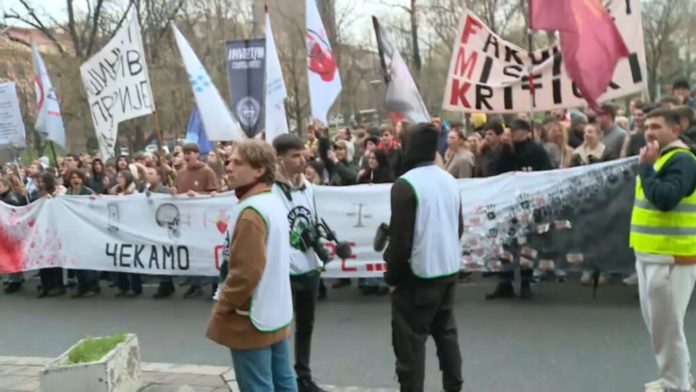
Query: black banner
[246, 64]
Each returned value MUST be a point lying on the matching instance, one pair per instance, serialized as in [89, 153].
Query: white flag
[49, 122]
[276, 120]
[117, 84]
[402, 93]
[217, 120]
[12, 132]
[322, 70]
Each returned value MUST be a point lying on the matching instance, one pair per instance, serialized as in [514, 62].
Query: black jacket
[675, 181]
[524, 156]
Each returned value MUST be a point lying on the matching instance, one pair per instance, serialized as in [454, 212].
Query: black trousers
[416, 313]
[304, 298]
[51, 278]
[127, 281]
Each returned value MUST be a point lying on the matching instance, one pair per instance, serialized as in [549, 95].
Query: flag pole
[158, 132]
[530, 76]
[53, 151]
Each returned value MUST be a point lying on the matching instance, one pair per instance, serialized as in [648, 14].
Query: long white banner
[489, 74]
[168, 235]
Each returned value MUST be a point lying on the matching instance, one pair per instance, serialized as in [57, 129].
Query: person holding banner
[254, 307]
[423, 262]
[297, 196]
[522, 154]
[663, 236]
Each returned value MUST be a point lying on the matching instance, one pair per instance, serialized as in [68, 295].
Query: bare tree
[662, 19]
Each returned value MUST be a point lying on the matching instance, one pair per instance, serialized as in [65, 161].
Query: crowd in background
[367, 155]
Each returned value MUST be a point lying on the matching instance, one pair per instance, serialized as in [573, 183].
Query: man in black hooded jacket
[523, 154]
[423, 261]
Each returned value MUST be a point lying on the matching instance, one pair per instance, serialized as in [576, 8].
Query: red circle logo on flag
[321, 59]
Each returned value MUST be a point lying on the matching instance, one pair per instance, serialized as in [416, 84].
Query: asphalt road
[562, 340]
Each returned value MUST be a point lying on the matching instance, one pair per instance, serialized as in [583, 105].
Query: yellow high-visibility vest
[664, 232]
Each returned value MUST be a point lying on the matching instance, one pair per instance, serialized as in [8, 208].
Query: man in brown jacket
[194, 179]
[255, 300]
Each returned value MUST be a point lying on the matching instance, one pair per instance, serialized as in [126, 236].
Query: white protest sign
[117, 84]
[12, 131]
[488, 74]
[170, 235]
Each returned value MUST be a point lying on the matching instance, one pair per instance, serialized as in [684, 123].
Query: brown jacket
[461, 164]
[246, 266]
[197, 177]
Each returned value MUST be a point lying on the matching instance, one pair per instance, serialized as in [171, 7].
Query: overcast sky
[56, 8]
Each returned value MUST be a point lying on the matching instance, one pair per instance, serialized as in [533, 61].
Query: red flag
[590, 41]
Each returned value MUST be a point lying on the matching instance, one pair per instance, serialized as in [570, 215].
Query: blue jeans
[265, 370]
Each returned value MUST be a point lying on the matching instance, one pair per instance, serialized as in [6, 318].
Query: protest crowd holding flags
[576, 215]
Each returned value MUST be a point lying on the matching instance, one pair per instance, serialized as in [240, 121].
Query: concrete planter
[117, 371]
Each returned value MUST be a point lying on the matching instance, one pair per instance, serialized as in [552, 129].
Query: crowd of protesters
[494, 145]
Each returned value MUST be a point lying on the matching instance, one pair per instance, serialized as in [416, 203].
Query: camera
[311, 239]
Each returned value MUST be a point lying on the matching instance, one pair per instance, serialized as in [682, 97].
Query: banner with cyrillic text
[117, 84]
[578, 215]
[489, 74]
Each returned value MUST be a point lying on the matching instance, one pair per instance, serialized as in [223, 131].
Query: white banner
[489, 74]
[117, 84]
[171, 235]
[12, 133]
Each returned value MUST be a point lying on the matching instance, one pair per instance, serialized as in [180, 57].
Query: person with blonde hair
[558, 136]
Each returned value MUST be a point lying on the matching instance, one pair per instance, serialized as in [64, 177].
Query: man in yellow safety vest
[663, 235]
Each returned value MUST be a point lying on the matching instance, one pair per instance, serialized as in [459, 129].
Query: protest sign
[554, 214]
[117, 84]
[246, 68]
[12, 133]
[489, 74]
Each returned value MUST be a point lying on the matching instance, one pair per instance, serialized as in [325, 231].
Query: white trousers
[665, 290]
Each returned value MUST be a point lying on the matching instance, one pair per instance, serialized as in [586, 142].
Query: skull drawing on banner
[167, 215]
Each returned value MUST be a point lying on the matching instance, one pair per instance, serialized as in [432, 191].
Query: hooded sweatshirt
[419, 149]
[298, 199]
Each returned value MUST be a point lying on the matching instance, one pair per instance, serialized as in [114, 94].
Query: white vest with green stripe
[271, 302]
[664, 232]
[436, 250]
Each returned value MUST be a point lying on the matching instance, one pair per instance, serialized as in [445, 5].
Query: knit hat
[576, 118]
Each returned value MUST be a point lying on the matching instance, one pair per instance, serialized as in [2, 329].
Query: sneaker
[192, 292]
[13, 287]
[503, 290]
[341, 283]
[307, 385]
[163, 294]
[631, 280]
[586, 278]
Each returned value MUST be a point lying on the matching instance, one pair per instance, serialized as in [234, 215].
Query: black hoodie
[419, 149]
